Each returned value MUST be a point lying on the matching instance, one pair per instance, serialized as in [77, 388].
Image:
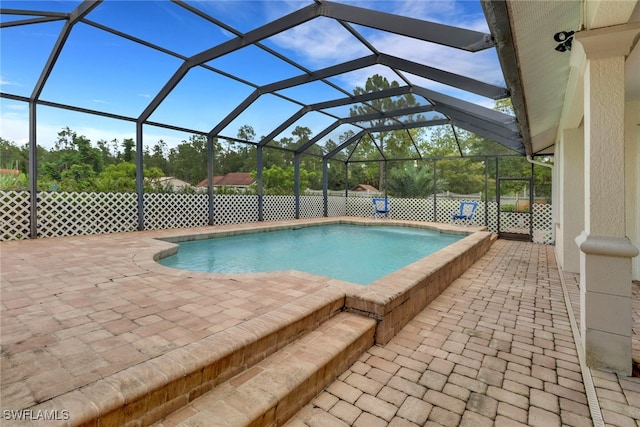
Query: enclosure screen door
[515, 208]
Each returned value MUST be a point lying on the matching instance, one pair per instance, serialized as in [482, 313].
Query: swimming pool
[352, 253]
[392, 300]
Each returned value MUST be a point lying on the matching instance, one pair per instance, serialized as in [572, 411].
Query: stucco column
[605, 251]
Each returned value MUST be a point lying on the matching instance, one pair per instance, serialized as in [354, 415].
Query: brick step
[149, 391]
[273, 390]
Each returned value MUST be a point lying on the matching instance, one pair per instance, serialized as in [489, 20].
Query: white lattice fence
[311, 206]
[493, 217]
[279, 207]
[411, 209]
[446, 207]
[358, 206]
[543, 223]
[235, 208]
[15, 207]
[336, 206]
[422, 210]
[67, 214]
[78, 213]
[514, 222]
[174, 210]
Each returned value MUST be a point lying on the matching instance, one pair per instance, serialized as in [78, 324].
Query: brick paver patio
[496, 348]
[78, 309]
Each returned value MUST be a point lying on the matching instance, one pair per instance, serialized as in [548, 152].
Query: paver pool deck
[496, 347]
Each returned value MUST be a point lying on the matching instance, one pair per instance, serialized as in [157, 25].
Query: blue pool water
[358, 254]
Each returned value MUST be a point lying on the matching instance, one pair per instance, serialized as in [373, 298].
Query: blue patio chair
[380, 208]
[467, 210]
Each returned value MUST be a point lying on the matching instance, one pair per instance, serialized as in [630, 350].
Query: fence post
[486, 192]
[325, 186]
[33, 171]
[296, 184]
[210, 173]
[435, 191]
[259, 183]
[139, 176]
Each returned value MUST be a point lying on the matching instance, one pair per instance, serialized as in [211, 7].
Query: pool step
[150, 391]
[273, 390]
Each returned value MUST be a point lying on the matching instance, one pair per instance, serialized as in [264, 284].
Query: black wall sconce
[565, 38]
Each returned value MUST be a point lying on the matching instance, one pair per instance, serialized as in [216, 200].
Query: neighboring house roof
[365, 187]
[232, 179]
[174, 182]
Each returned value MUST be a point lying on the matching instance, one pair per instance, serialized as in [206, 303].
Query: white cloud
[435, 11]
[482, 66]
[15, 127]
[17, 107]
[330, 44]
[321, 42]
[318, 44]
[4, 82]
[453, 13]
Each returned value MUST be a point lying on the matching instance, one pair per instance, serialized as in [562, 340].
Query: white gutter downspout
[535, 162]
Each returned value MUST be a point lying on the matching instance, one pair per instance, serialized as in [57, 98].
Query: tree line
[74, 163]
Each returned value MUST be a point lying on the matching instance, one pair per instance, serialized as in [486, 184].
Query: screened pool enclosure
[345, 92]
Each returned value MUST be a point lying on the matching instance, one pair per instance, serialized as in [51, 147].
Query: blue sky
[100, 71]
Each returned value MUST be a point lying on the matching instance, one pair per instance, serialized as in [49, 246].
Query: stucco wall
[632, 179]
[571, 210]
